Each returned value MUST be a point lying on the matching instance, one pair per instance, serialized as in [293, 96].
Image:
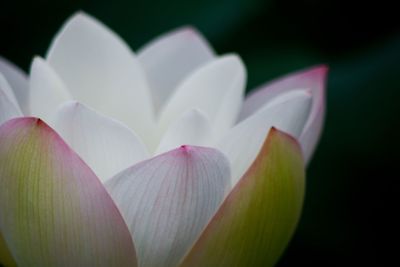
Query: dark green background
[348, 218]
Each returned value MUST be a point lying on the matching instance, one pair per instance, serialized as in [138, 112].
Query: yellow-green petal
[54, 211]
[257, 219]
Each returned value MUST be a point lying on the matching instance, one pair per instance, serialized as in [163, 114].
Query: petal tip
[184, 150]
[24, 122]
[234, 58]
[189, 31]
[320, 70]
[276, 133]
[80, 15]
[37, 62]
[323, 67]
[187, 151]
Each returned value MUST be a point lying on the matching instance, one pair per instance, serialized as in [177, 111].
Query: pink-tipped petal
[54, 211]
[168, 59]
[167, 200]
[313, 79]
[106, 145]
[257, 219]
[102, 72]
[47, 91]
[9, 107]
[18, 82]
[287, 112]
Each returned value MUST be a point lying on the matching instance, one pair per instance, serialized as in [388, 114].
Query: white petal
[170, 58]
[313, 79]
[287, 112]
[193, 128]
[205, 89]
[229, 109]
[8, 104]
[47, 91]
[7, 90]
[18, 82]
[102, 72]
[167, 200]
[107, 146]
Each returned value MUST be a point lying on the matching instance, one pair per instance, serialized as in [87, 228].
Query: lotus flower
[110, 158]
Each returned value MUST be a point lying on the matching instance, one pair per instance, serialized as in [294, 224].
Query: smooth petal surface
[107, 146]
[313, 79]
[8, 104]
[287, 112]
[53, 209]
[7, 90]
[257, 219]
[102, 72]
[47, 91]
[193, 128]
[205, 89]
[170, 58]
[18, 82]
[167, 200]
[229, 108]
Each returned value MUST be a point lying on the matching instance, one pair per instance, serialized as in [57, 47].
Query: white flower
[117, 110]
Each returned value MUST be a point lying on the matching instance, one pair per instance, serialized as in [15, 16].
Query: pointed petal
[18, 82]
[47, 91]
[107, 146]
[288, 112]
[170, 58]
[258, 218]
[205, 89]
[8, 104]
[167, 200]
[53, 209]
[193, 128]
[102, 72]
[313, 79]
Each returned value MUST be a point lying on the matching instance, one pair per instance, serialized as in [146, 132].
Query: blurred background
[351, 201]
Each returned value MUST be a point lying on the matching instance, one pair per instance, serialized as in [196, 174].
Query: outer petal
[205, 89]
[8, 104]
[53, 209]
[102, 72]
[107, 146]
[257, 219]
[193, 128]
[167, 200]
[18, 81]
[47, 91]
[170, 58]
[313, 79]
[287, 112]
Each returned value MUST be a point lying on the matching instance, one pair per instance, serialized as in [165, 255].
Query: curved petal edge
[314, 79]
[257, 219]
[54, 211]
[168, 199]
